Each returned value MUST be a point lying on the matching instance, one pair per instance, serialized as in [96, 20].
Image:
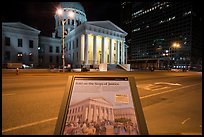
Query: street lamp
[71, 15]
[175, 45]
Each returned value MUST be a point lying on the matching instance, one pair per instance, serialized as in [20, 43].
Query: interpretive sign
[101, 106]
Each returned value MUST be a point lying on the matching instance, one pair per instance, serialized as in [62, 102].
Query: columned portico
[96, 49]
[100, 45]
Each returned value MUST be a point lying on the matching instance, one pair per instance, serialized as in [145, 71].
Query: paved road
[172, 102]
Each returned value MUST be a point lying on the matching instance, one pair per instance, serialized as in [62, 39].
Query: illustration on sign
[101, 107]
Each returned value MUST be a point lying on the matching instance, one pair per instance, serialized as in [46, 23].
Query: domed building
[87, 43]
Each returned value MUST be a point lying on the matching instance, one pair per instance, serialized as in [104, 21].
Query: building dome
[74, 5]
[73, 15]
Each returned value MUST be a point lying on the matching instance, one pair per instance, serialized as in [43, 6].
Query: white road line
[167, 83]
[185, 121]
[154, 86]
[8, 94]
[160, 88]
[27, 125]
[167, 91]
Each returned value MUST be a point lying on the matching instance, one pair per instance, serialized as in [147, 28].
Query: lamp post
[70, 14]
[175, 45]
[63, 61]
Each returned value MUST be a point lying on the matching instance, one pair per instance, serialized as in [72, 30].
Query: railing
[125, 66]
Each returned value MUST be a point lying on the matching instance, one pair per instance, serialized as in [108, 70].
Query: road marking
[152, 87]
[8, 94]
[160, 88]
[167, 91]
[185, 121]
[174, 84]
[27, 125]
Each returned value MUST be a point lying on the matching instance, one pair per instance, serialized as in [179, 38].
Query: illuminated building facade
[19, 44]
[89, 42]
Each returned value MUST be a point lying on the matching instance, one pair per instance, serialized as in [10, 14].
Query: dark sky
[40, 15]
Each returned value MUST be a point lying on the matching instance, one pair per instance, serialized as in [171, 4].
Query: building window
[77, 56]
[57, 60]
[73, 44]
[77, 42]
[68, 21]
[20, 56]
[7, 56]
[30, 43]
[20, 43]
[41, 59]
[50, 59]
[66, 47]
[70, 45]
[7, 41]
[57, 49]
[50, 49]
[72, 22]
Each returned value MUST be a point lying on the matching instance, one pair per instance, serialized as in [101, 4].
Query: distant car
[26, 66]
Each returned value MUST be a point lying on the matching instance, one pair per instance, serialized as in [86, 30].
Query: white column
[100, 112]
[81, 47]
[95, 113]
[89, 114]
[94, 50]
[86, 49]
[110, 52]
[123, 53]
[86, 113]
[112, 114]
[118, 52]
[103, 50]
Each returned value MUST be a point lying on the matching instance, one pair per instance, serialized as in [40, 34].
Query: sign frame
[62, 117]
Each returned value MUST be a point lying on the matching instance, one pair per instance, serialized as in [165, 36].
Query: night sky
[40, 15]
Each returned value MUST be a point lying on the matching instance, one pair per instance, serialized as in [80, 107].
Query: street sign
[101, 106]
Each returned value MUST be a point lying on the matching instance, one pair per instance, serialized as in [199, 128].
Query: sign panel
[103, 67]
[101, 106]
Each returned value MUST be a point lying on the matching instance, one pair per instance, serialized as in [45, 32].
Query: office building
[165, 35]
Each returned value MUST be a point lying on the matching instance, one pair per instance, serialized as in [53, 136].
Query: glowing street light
[175, 45]
[59, 12]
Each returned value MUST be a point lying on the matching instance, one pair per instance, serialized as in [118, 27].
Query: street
[171, 101]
